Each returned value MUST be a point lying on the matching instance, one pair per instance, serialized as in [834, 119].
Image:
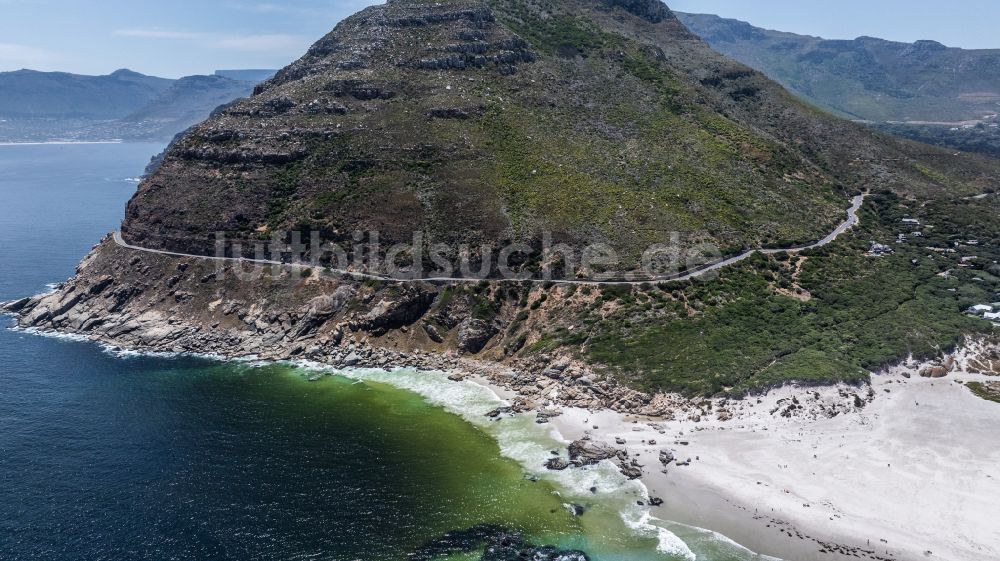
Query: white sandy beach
[913, 475]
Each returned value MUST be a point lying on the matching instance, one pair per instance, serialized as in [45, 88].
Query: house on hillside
[879, 250]
[980, 310]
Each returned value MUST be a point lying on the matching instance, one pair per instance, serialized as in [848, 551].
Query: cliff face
[490, 122]
[158, 303]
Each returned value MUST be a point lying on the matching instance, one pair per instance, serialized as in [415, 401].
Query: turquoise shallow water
[104, 456]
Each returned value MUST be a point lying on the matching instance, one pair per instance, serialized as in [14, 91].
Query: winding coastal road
[851, 221]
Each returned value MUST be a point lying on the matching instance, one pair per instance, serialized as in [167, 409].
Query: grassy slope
[988, 391]
[744, 330]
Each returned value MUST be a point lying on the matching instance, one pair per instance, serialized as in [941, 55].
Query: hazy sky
[970, 24]
[179, 37]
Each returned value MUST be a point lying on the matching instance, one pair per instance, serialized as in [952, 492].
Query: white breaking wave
[529, 444]
[729, 543]
[518, 438]
[50, 334]
[640, 521]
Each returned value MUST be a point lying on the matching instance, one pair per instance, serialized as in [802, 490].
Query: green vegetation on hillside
[989, 391]
[983, 138]
[830, 314]
[865, 78]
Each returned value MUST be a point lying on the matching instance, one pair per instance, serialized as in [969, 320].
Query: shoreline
[755, 460]
[884, 483]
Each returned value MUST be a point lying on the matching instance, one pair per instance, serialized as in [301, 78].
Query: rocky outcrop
[653, 11]
[400, 307]
[208, 309]
[588, 453]
[473, 334]
[321, 309]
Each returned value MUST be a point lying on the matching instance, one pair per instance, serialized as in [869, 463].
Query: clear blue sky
[179, 37]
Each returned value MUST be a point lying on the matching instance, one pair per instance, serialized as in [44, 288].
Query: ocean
[114, 455]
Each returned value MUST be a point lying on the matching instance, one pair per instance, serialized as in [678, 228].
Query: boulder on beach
[666, 456]
[588, 452]
[556, 464]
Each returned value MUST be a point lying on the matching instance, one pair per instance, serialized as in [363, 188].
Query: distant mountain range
[924, 91]
[126, 105]
[864, 78]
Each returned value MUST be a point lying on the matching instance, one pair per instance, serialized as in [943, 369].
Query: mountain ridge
[380, 79]
[34, 94]
[865, 78]
[40, 106]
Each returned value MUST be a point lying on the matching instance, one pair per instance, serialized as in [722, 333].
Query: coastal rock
[499, 411]
[394, 310]
[16, 305]
[631, 471]
[473, 334]
[432, 332]
[557, 464]
[666, 457]
[321, 309]
[352, 359]
[937, 371]
[495, 543]
[588, 452]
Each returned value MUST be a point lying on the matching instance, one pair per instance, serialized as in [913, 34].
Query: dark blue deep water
[110, 457]
[106, 456]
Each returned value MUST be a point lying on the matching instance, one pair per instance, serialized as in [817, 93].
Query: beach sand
[914, 474]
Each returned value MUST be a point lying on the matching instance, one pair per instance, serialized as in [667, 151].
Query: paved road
[852, 219]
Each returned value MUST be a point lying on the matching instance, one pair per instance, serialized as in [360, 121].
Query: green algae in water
[521, 504]
[387, 471]
[153, 458]
[613, 528]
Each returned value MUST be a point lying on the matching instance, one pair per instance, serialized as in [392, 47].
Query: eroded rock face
[398, 308]
[473, 334]
[321, 309]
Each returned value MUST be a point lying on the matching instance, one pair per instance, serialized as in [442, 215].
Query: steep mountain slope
[491, 122]
[866, 78]
[247, 75]
[486, 122]
[28, 94]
